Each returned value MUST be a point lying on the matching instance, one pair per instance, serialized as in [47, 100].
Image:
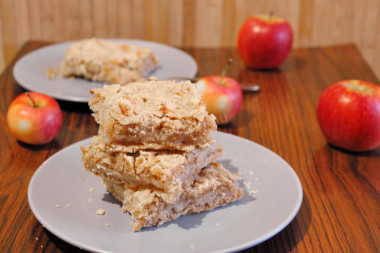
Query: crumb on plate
[51, 73]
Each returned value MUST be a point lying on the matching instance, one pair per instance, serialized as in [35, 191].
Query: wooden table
[340, 210]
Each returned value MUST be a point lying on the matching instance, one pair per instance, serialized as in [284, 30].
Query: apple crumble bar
[166, 171]
[155, 151]
[113, 62]
[214, 186]
[152, 115]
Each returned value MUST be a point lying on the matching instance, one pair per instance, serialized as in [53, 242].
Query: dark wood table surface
[340, 211]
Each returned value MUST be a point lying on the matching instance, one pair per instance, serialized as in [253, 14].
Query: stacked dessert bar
[155, 151]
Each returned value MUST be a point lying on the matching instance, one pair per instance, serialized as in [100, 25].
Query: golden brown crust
[214, 186]
[113, 62]
[167, 171]
[154, 114]
[155, 151]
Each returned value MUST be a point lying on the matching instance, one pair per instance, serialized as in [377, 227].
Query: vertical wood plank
[21, 14]
[371, 27]
[77, 22]
[46, 19]
[175, 23]
[125, 18]
[305, 23]
[2, 57]
[9, 25]
[229, 26]
[100, 23]
[323, 25]
[59, 17]
[33, 18]
[156, 18]
[138, 19]
[149, 20]
[86, 19]
[111, 18]
[188, 23]
[375, 61]
[343, 22]
[207, 23]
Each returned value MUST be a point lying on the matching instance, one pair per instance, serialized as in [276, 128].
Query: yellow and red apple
[34, 118]
[222, 95]
[264, 41]
[348, 114]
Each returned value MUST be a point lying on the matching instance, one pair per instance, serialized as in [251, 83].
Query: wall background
[200, 23]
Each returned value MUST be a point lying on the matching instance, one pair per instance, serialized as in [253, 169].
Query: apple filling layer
[214, 186]
[169, 172]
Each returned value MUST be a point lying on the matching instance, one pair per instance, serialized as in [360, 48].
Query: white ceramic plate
[60, 197]
[30, 71]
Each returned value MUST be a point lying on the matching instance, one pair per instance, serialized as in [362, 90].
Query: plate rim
[290, 216]
[274, 231]
[28, 86]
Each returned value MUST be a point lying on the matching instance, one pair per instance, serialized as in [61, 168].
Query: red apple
[222, 96]
[34, 118]
[264, 41]
[348, 114]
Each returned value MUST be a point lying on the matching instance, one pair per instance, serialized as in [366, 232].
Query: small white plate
[65, 198]
[30, 71]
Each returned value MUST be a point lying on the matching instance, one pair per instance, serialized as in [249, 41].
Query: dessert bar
[153, 115]
[112, 62]
[214, 186]
[166, 171]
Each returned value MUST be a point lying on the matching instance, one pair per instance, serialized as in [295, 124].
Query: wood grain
[19, 161]
[341, 205]
[189, 23]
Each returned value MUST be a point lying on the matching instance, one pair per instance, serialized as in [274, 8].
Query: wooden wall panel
[201, 23]
[2, 56]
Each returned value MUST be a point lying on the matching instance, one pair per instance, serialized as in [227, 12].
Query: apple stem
[225, 70]
[31, 98]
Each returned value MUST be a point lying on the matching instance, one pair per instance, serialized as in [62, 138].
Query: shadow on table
[74, 106]
[53, 145]
[370, 153]
[292, 64]
[61, 245]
